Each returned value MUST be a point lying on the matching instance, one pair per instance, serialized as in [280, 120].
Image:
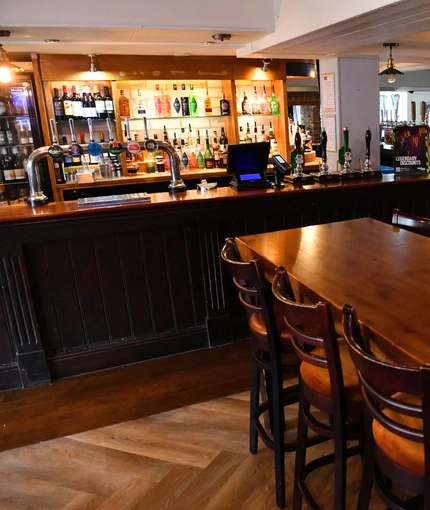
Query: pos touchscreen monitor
[248, 163]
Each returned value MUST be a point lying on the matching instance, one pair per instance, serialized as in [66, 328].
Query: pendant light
[5, 66]
[391, 71]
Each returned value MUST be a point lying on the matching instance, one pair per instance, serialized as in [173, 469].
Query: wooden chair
[330, 398]
[271, 356]
[397, 440]
[411, 222]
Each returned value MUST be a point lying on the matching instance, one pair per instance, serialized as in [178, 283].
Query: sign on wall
[410, 147]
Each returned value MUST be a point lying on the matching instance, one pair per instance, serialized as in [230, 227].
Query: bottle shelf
[259, 115]
[178, 117]
[65, 122]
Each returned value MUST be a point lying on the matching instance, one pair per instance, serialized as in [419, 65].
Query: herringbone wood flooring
[193, 458]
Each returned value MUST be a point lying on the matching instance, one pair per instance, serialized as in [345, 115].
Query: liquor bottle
[256, 108]
[92, 104]
[165, 135]
[248, 138]
[263, 136]
[76, 104]
[18, 165]
[223, 147]
[158, 102]
[29, 132]
[216, 151]
[167, 105]
[208, 104]
[209, 158]
[3, 139]
[185, 103]
[176, 110]
[255, 131]
[108, 103]
[100, 104]
[224, 105]
[192, 101]
[58, 106]
[124, 105]
[184, 157]
[200, 157]
[11, 134]
[274, 104]
[150, 162]
[8, 166]
[246, 105]
[141, 104]
[85, 106]
[67, 104]
[23, 137]
[265, 103]
[241, 135]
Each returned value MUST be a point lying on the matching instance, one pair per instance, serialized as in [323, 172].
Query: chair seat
[317, 378]
[404, 452]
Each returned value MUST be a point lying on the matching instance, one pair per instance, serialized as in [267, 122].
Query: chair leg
[339, 469]
[253, 404]
[367, 463]
[302, 433]
[278, 425]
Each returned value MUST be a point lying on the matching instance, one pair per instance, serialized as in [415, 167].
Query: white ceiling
[258, 28]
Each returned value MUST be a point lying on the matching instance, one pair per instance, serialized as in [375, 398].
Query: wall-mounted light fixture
[391, 71]
[6, 67]
[266, 62]
[93, 68]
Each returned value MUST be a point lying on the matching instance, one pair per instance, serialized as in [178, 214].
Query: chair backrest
[387, 389]
[314, 337]
[411, 222]
[255, 293]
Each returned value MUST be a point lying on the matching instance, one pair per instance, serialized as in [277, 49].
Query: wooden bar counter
[87, 289]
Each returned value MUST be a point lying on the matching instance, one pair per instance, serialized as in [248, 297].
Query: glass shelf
[178, 117]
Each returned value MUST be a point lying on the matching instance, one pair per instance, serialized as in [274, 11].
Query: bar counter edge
[88, 289]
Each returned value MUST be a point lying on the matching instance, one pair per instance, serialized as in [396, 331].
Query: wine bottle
[216, 151]
[274, 104]
[100, 104]
[67, 104]
[108, 104]
[176, 110]
[8, 167]
[124, 105]
[223, 146]
[58, 106]
[77, 104]
[92, 104]
[208, 104]
[85, 106]
[185, 103]
[209, 158]
[11, 134]
[158, 103]
[23, 137]
[18, 165]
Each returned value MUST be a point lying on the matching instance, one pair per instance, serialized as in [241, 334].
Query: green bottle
[192, 100]
[209, 158]
[200, 158]
[274, 104]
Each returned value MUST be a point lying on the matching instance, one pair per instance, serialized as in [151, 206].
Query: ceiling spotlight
[221, 37]
[391, 71]
[6, 67]
[52, 41]
[266, 62]
[93, 68]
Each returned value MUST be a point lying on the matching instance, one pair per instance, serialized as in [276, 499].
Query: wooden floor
[186, 459]
[192, 458]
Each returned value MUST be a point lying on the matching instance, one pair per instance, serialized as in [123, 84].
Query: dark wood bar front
[87, 289]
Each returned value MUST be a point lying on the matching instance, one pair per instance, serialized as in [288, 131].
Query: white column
[355, 84]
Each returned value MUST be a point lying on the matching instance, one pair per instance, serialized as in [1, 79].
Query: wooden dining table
[382, 270]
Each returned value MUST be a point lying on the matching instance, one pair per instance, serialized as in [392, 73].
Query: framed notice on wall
[328, 92]
[410, 149]
[330, 128]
